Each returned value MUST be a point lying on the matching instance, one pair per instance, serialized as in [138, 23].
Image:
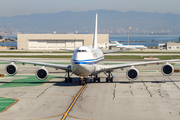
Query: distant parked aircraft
[121, 46]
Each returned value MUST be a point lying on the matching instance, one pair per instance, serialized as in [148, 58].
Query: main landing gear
[109, 78]
[68, 79]
[96, 78]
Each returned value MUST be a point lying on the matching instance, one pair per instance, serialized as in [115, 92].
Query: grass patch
[36, 52]
[144, 52]
[142, 57]
[5, 103]
[37, 56]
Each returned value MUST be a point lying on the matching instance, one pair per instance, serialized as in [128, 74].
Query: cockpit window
[82, 51]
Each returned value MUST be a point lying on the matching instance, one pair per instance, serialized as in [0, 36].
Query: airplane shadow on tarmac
[75, 82]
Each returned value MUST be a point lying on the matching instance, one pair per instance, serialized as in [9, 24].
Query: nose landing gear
[82, 81]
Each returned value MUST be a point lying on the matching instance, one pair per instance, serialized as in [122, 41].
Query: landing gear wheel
[109, 78]
[79, 81]
[96, 78]
[82, 81]
[68, 80]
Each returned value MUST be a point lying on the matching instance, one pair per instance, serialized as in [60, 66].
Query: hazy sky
[26, 7]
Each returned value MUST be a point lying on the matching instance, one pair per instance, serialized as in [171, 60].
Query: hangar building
[173, 46]
[57, 41]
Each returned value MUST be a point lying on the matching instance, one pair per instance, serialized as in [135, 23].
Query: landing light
[1, 75]
[176, 71]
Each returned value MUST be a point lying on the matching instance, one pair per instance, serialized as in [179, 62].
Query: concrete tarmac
[151, 96]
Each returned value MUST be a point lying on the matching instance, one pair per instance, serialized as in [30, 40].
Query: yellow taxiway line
[75, 99]
[70, 107]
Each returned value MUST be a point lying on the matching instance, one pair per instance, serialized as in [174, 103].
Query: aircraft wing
[58, 66]
[103, 68]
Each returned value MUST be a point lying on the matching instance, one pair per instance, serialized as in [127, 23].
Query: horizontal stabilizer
[118, 50]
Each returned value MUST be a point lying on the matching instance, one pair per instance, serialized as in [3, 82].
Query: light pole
[4, 36]
[128, 33]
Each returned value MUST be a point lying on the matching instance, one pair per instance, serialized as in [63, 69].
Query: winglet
[95, 42]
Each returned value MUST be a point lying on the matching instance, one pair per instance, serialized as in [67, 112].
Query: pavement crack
[115, 85]
[147, 88]
[43, 91]
[132, 93]
[114, 93]
[174, 83]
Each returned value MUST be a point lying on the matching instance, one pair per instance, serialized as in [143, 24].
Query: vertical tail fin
[95, 42]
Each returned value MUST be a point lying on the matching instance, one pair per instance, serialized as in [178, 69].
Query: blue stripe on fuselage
[88, 61]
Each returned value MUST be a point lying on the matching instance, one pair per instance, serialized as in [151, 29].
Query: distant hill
[109, 21]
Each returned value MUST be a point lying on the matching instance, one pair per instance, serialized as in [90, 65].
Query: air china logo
[93, 55]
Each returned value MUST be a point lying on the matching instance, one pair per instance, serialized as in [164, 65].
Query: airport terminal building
[57, 41]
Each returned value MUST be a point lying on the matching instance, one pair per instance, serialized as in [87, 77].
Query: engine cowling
[42, 73]
[11, 69]
[167, 69]
[132, 73]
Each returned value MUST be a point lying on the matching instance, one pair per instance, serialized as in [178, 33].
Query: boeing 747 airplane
[85, 62]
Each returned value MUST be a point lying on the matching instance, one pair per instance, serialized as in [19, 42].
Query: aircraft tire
[98, 79]
[70, 80]
[66, 80]
[111, 79]
[80, 82]
[107, 80]
[94, 80]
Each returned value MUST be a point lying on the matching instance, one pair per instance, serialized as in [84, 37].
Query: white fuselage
[131, 46]
[85, 59]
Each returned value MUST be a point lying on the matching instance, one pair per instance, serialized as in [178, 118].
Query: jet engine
[42, 73]
[167, 69]
[11, 69]
[132, 73]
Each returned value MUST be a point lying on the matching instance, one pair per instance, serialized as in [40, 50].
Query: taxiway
[151, 96]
